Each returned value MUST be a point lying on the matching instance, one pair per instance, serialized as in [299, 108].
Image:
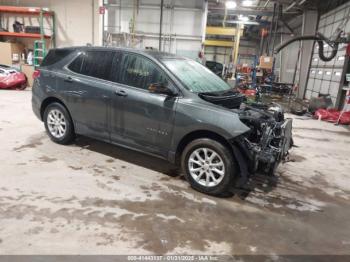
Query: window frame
[66, 67]
[174, 87]
[80, 53]
[122, 53]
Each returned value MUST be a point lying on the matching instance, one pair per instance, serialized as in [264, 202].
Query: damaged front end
[269, 139]
[261, 149]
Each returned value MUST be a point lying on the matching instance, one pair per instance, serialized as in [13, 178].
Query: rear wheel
[58, 124]
[209, 166]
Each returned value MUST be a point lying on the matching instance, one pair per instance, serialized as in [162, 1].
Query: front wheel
[58, 124]
[209, 166]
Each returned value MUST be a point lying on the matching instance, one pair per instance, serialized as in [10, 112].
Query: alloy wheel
[206, 167]
[56, 123]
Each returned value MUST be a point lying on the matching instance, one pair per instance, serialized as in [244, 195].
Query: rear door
[142, 120]
[88, 92]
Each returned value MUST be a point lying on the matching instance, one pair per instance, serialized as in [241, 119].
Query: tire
[225, 174]
[59, 124]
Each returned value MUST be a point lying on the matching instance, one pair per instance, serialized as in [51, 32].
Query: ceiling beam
[245, 12]
[215, 30]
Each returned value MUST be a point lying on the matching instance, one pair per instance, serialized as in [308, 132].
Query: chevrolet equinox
[164, 105]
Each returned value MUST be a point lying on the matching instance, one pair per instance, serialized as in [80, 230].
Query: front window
[195, 77]
[140, 72]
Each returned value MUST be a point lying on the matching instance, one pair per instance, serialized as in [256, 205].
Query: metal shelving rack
[40, 42]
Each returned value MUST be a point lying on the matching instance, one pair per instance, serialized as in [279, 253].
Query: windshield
[195, 77]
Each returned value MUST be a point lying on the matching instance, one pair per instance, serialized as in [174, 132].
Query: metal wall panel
[327, 77]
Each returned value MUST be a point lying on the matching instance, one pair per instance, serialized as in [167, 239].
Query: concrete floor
[95, 198]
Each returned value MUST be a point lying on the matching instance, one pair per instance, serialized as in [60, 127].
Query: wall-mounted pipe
[271, 29]
[267, 2]
[93, 22]
[156, 7]
[204, 19]
[290, 7]
[161, 24]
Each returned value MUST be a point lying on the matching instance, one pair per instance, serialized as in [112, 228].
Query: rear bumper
[36, 103]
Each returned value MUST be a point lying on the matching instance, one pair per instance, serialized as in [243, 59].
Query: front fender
[191, 117]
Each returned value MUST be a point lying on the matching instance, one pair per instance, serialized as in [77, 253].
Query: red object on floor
[332, 115]
[250, 92]
[345, 119]
[321, 114]
[247, 92]
[13, 80]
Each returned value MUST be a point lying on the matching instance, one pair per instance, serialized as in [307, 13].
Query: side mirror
[159, 88]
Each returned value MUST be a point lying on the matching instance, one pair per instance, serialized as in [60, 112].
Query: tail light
[36, 74]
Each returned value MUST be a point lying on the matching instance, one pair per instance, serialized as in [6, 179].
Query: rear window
[56, 55]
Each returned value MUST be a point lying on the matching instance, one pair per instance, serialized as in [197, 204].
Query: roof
[153, 53]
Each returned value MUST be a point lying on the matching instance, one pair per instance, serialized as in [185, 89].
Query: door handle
[68, 80]
[121, 93]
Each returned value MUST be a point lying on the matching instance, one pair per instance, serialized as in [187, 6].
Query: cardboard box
[28, 70]
[10, 53]
[266, 62]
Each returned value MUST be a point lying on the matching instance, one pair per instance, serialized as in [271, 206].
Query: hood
[230, 99]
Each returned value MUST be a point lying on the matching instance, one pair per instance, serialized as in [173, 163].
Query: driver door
[145, 120]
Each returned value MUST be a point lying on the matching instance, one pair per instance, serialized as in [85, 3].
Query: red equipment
[332, 115]
[11, 78]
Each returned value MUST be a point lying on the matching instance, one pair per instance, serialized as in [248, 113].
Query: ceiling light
[230, 4]
[243, 18]
[247, 3]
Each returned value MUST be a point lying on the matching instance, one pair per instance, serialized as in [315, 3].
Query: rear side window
[97, 64]
[56, 55]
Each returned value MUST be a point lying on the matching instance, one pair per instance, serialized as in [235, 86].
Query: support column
[309, 27]
[204, 20]
[97, 27]
[237, 41]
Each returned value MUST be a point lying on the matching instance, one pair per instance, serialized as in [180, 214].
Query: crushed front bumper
[265, 156]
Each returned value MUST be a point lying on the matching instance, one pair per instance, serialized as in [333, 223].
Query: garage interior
[94, 198]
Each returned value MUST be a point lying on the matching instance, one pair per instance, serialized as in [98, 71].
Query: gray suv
[164, 105]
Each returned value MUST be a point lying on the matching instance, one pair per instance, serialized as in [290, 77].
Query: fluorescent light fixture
[247, 3]
[243, 18]
[230, 4]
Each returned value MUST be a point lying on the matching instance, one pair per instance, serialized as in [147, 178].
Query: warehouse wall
[328, 77]
[287, 59]
[246, 53]
[182, 24]
[77, 21]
